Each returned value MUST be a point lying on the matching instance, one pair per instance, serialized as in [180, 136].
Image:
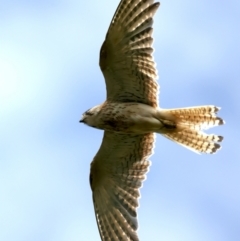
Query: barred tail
[188, 124]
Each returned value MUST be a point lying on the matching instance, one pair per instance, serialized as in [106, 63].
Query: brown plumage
[130, 116]
[189, 125]
[126, 54]
[117, 173]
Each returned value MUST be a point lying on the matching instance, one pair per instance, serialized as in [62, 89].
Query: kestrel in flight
[130, 116]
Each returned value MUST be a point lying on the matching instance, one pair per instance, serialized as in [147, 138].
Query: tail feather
[196, 141]
[188, 125]
[197, 118]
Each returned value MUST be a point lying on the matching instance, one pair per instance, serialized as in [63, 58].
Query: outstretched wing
[126, 54]
[117, 173]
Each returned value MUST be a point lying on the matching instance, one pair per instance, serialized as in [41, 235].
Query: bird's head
[89, 117]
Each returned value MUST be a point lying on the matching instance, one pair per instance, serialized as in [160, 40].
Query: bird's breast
[127, 118]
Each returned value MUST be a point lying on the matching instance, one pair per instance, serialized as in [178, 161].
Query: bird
[131, 117]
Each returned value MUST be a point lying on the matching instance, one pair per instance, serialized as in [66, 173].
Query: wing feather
[126, 55]
[117, 173]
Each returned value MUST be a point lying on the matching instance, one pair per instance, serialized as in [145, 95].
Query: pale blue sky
[49, 76]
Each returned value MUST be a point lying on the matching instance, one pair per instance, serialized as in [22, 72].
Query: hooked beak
[81, 121]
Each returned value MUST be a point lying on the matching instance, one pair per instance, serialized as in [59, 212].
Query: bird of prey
[131, 116]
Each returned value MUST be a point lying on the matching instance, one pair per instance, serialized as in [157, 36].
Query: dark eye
[88, 112]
